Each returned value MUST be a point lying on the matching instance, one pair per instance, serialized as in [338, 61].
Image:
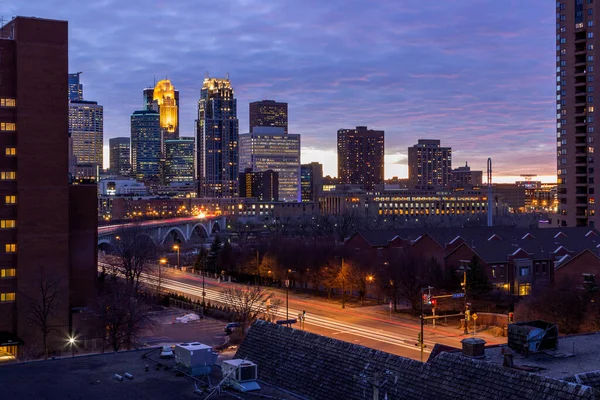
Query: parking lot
[207, 331]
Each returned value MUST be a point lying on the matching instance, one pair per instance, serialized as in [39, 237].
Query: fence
[184, 305]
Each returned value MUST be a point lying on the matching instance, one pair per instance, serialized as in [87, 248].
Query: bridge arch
[216, 227]
[176, 234]
[201, 229]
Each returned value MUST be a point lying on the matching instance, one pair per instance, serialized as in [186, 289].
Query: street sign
[458, 295]
[474, 316]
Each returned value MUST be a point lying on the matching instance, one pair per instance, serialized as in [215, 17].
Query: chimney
[473, 348]
[508, 357]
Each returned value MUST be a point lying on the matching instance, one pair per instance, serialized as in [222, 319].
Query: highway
[367, 326]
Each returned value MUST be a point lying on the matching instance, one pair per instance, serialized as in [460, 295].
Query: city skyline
[485, 91]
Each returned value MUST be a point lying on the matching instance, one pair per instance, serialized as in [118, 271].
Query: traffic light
[433, 303]
[510, 317]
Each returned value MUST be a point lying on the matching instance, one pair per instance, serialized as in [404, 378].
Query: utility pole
[257, 267]
[421, 339]
[343, 285]
[287, 298]
[203, 291]
[467, 312]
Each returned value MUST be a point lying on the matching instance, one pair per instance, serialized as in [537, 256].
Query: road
[367, 326]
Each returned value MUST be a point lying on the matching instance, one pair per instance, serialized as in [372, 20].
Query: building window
[589, 278]
[7, 297]
[11, 151]
[8, 273]
[10, 248]
[590, 23]
[10, 199]
[524, 289]
[8, 126]
[8, 223]
[590, 35]
[524, 271]
[8, 103]
[8, 175]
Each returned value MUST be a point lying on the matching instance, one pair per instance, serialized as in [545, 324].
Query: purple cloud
[477, 74]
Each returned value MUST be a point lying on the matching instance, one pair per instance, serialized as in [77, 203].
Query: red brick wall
[586, 263]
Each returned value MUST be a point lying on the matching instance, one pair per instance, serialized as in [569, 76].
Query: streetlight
[370, 278]
[287, 297]
[71, 343]
[258, 267]
[176, 247]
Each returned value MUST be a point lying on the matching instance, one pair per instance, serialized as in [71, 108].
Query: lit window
[10, 248]
[591, 109]
[8, 126]
[11, 151]
[8, 273]
[524, 289]
[7, 223]
[8, 103]
[10, 199]
[6, 297]
[8, 175]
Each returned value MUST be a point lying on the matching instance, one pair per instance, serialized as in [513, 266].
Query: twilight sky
[477, 74]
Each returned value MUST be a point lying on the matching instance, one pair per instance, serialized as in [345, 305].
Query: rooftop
[319, 367]
[92, 377]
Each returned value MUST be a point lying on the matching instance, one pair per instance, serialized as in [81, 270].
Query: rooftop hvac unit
[532, 336]
[241, 374]
[195, 358]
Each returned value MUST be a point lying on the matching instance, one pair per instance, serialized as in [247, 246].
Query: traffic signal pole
[421, 339]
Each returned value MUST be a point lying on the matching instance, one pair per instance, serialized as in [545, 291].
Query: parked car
[231, 326]
[167, 352]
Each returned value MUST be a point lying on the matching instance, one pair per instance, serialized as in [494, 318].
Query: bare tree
[134, 249]
[122, 314]
[248, 303]
[42, 309]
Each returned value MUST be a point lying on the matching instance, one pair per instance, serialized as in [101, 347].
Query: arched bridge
[161, 231]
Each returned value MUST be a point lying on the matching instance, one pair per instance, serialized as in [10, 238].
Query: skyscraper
[269, 113]
[120, 155]
[75, 87]
[86, 128]
[311, 181]
[145, 145]
[429, 165]
[576, 42]
[360, 156]
[269, 148]
[180, 160]
[48, 228]
[217, 130]
[164, 99]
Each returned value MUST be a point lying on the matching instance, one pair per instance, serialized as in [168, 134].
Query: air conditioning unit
[241, 374]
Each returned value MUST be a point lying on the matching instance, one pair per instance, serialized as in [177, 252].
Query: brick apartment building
[514, 259]
[48, 225]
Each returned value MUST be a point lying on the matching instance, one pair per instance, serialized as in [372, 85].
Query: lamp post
[258, 266]
[203, 291]
[161, 263]
[287, 296]
[369, 279]
[176, 247]
[71, 343]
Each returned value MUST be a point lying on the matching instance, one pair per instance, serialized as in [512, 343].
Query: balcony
[581, 35]
[580, 120]
[581, 99]
[581, 190]
[580, 70]
[581, 89]
[581, 79]
[581, 171]
[581, 160]
[580, 59]
[580, 129]
[580, 110]
[581, 180]
[581, 200]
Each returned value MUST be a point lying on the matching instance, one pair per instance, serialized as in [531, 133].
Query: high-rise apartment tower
[576, 99]
[360, 156]
[429, 165]
[48, 227]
